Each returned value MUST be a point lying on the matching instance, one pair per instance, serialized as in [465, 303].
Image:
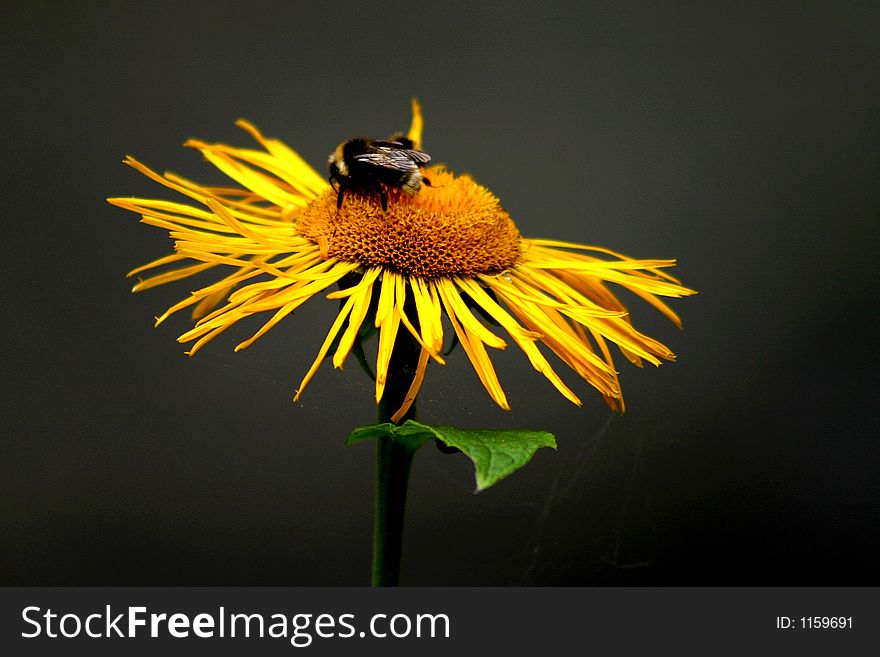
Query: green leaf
[495, 453]
[368, 432]
[407, 435]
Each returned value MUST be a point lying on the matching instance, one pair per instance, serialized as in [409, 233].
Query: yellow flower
[447, 250]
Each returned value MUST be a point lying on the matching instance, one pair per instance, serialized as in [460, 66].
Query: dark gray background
[739, 138]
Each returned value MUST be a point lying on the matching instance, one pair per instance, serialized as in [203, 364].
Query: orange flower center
[455, 227]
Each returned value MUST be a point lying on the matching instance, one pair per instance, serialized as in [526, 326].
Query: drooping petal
[474, 348]
[325, 346]
[414, 387]
[361, 301]
[387, 332]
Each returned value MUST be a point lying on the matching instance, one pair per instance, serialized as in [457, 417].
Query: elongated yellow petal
[387, 335]
[616, 403]
[430, 319]
[282, 171]
[205, 339]
[169, 277]
[237, 226]
[172, 214]
[418, 337]
[356, 318]
[386, 297]
[366, 281]
[617, 329]
[283, 312]
[414, 387]
[523, 338]
[452, 300]
[556, 286]
[208, 302]
[473, 347]
[508, 323]
[265, 186]
[162, 180]
[325, 347]
[573, 352]
[174, 257]
[597, 249]
[308, 177]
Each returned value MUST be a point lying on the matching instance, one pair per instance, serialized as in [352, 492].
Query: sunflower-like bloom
[448, 250]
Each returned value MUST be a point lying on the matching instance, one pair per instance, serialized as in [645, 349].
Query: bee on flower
[403, 245]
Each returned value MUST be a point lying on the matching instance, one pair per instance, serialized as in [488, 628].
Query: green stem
[393, 462]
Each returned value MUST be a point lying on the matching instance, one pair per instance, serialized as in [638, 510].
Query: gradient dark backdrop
[739, 138]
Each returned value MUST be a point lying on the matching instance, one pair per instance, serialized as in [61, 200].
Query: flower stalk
[393, 461]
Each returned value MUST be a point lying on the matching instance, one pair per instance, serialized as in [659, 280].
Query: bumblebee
[367, 166]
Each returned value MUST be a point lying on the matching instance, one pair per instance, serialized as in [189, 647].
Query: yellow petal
[415, 128]
[414, 387]
[322, 352]
[476, 353]
[452, 300]
[356, 318]
[387, 336]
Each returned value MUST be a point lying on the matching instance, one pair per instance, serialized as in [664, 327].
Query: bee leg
[340, 195]
[427, 181]
[383, 197]
[332, 181]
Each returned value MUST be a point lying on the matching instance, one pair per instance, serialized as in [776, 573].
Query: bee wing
[418, 156]
[391, 157]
